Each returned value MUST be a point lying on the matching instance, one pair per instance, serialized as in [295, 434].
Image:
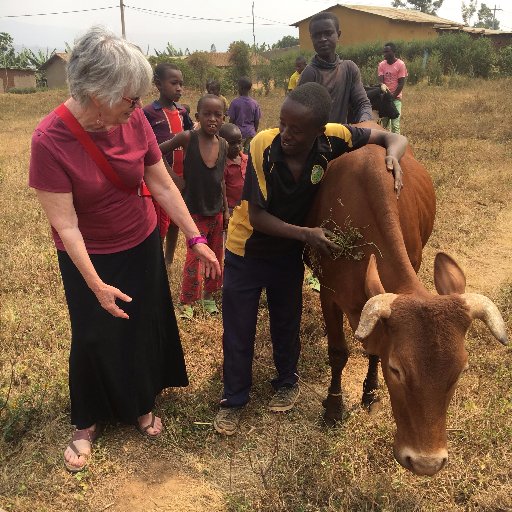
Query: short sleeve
[253, 192]
[45, 172]
[402, 72]
[380, 69]
[232, 110]
[153, 154]
[359, 136]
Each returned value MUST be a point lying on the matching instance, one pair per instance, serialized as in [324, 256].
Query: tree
[7, 54]
[286, 42]
[426, 6]
[486, 18]
[240, 60]
[468, 11]
[169, 51]
[213, 48]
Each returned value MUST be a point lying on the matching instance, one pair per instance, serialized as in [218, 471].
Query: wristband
[196, 240]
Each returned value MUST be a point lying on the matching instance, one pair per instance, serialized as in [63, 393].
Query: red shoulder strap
[88, 144]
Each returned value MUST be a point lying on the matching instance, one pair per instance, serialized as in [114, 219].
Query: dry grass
[279, 462]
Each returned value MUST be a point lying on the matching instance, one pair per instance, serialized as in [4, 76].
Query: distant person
[88, 160]
[236, 163]
[245, 112]
[205, 197]
[392, 73]
[300, 64]
[340, 77]
[213, 87]
[167, 118]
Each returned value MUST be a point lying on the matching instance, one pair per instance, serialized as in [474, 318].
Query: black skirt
[117, 367]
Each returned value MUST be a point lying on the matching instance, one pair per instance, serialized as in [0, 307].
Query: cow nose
[421, 463]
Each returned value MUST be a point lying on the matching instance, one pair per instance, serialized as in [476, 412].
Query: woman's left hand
[207, 256]
[393, 166]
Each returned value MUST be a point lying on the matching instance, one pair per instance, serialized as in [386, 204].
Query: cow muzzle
[421, 464]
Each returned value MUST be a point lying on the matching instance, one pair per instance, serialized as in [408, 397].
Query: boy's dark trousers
[244, 279]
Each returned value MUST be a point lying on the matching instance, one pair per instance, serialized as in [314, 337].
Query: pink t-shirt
[391, 73]
[110, 219]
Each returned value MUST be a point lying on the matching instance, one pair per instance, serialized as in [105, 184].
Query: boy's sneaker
[227, 420]
[284, 398]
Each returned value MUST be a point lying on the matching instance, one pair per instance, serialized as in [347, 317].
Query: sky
[174, 23]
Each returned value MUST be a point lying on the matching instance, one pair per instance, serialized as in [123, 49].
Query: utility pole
[494, 15]
[253, 34]
[121, 6]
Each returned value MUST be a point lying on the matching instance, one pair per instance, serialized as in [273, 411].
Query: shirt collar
[321, 146]
[243, 157]
[158, 106]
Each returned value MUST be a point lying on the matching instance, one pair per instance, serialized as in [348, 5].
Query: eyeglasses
[132, 101]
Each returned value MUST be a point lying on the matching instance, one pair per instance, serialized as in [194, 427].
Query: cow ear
[372, 284]
[448, 276]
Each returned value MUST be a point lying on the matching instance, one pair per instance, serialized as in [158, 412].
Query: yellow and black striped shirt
[270, 185]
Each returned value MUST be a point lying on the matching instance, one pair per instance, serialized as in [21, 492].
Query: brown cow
[418, 336]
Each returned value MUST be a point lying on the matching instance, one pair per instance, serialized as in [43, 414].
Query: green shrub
[369, 71]
[415, 70]
[455, 53]
[362, 54]
[22, 90]
[483, 57]
[504, 61]
[434, 70]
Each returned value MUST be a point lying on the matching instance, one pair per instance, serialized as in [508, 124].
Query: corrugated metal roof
[53, 58]
[221, 59]
[392, 13]
[476, 30]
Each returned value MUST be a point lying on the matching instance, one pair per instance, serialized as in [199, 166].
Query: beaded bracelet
[196, 240]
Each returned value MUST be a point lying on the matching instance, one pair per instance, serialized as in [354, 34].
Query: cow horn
[483, 308]
[376, 307]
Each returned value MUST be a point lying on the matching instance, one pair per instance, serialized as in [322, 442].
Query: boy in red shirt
[236, 163]
[167, 118]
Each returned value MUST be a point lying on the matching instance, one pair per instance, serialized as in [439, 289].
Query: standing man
[340, 77]
[300, 64]
[392, 73]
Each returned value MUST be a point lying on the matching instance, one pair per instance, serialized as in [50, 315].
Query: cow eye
[395, 372]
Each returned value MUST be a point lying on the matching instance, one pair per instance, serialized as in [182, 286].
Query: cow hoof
[371, 402]
[334, 410]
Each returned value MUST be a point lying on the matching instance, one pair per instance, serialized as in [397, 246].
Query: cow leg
[338, 356]
[371, 384]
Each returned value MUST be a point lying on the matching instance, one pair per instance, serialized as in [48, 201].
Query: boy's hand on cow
[393, 166]
[318, 239]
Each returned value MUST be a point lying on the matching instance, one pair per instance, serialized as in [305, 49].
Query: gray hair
[107, 67]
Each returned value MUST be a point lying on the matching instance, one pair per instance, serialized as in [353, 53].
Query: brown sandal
[82, 435]
[144, 430]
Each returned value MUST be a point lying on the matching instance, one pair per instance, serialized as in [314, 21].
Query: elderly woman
[125, 346]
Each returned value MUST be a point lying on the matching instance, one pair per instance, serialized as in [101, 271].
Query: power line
[60, 12]
[192, 18]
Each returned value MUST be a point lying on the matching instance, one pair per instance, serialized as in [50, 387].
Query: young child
[205, 197]
[213, 87]
[245, 112]
[266, 237]
[167, 118]
[236, 163]
[300, 64]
